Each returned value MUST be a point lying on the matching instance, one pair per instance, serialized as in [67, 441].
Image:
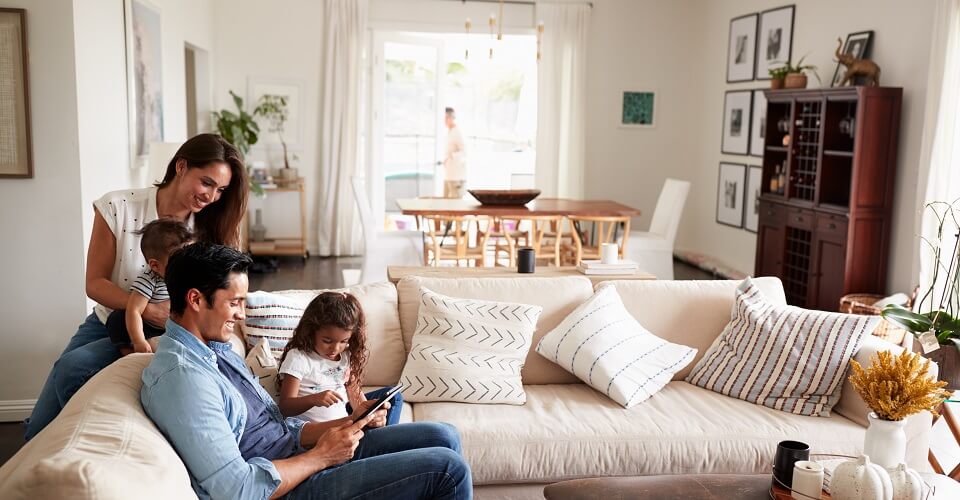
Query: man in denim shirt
[229, 432]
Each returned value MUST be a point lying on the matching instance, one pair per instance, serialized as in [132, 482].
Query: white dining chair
[653, 249]
[383, 248]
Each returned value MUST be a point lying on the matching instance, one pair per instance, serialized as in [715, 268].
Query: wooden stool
[448, 238]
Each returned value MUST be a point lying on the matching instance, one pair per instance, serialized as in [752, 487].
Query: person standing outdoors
[454, 161]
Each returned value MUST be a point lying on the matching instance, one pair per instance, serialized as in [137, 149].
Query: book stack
[595, 267]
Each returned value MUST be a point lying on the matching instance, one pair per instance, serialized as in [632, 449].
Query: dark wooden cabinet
[827, 191]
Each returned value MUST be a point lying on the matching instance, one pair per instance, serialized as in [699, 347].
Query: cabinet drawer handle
[832, 225]
[770, 212]
[799, 219]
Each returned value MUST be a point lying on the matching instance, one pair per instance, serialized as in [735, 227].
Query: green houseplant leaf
[906, 319]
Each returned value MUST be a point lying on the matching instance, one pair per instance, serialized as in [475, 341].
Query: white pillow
[468, 351]
[603, 345]
[264, 367]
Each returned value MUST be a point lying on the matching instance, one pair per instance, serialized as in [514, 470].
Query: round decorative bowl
[504, 196]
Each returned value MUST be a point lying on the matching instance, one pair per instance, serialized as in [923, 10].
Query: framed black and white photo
[758, 123]
[144, 78]
[736, 122]
[751, 203]
[857, 45]
[742, 48]
[774, 40]
[16, 150]
[730, 186]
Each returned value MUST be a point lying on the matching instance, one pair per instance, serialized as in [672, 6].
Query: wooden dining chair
[450, 238]
[605, 230]
[546, 235]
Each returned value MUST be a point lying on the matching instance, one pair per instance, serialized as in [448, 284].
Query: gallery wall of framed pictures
[757, 42]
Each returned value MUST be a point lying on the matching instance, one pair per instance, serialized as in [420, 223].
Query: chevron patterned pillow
[781, 357]
[603, 345]
[468, 351]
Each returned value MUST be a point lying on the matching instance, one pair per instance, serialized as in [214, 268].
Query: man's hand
[142, 346]
[157, 313]
[326, 398]
[338, 444]
[375, 419]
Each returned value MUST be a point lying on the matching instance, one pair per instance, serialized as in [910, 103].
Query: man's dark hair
[163, 236]
[204, 266]
[450, 112]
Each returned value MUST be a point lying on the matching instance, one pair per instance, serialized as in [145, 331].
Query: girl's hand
[326, 398]
[143, 346]
[375, 419]
[157, 313]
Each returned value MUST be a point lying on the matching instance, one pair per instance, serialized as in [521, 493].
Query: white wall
[41, 288]
[901, 46]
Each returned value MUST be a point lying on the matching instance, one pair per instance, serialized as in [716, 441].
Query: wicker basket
[862, 303]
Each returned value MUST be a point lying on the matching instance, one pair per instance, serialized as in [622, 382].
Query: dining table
[539, 207]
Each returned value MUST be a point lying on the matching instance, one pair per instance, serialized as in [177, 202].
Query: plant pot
[776, 83]
[795, 81]
[947, 358]
[288, 174]
[885, 441]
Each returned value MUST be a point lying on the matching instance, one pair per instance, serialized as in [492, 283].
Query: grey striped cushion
[603, 345]
[781, 357]
[468, 351]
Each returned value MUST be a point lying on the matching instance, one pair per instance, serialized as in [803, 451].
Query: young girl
[322, 365]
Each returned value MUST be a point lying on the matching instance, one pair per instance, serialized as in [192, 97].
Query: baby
[127, 329]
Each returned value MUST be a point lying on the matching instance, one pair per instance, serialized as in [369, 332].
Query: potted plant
[794, 77]
[935, 315]
[274, 109]
[776, 77]
[239, 129]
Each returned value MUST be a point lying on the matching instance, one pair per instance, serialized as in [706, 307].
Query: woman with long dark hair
[205, 186]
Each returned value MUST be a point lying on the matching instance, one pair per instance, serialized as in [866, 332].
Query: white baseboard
[15, 410]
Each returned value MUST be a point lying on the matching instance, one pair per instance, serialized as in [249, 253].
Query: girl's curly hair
[337, 309]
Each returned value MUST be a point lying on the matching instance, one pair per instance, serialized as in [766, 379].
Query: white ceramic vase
[885, 441]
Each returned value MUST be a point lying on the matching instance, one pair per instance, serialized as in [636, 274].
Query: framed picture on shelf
[751, 205]
[858, 46]
[16, 150]
[730, 187]
[736, 122]
[774, 40]
[758, 123]
[742, 48]
[637, 109]
[144, 78]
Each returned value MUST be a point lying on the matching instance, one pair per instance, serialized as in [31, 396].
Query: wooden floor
[294, 274]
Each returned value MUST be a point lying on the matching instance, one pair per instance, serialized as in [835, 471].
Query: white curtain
[941, 141]
[561, 105]
[343, 32]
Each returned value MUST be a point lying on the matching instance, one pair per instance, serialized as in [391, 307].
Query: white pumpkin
[860, 480]
[907, 484]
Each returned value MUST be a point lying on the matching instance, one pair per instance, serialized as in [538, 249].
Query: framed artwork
[774, 40]
[742, 48]
[637, 109]
[290, 89]
[858, 46]
[736, 122]
[730, 194]
[758, 123]
[16, 150]
[144, 78]
[751, 204]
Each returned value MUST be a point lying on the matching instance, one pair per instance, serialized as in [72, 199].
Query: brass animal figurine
[857, 67]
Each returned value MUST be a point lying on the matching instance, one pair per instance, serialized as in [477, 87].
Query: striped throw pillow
[781, 357]
[603, 345]
[468, 351]
[271, 317]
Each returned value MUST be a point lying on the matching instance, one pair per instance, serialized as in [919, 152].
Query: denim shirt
[203, 416]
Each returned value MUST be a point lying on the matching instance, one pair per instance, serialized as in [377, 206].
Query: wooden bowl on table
[512, 197]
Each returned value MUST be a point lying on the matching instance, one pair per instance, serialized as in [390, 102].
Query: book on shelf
[607, 272]
[288, 242]
[596, 264]
[262, 246]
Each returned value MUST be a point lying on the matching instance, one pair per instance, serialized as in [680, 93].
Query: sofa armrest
[852, 406]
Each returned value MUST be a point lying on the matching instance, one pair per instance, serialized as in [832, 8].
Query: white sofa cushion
[570, 431]
[691, 313]
[379, 302]
[557, 296]
[603, 345]
[468, 350]
[783, 357]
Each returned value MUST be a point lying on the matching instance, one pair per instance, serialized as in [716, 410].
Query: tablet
[383, 399]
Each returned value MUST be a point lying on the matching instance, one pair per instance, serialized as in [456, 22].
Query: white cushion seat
[570, 430]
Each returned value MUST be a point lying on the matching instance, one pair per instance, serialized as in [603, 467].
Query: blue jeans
[406, 461]
[396, 404]
[88, 352]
